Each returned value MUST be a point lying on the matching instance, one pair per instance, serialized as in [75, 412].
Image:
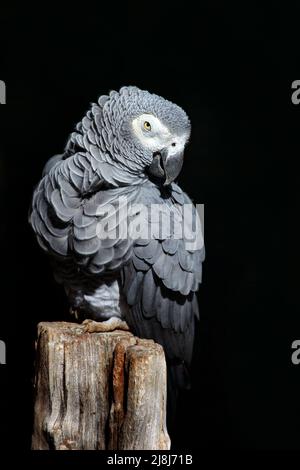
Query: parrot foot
[114, 323]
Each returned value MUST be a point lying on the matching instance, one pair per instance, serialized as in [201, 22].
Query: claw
[74, 312]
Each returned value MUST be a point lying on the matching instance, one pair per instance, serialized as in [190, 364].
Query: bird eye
[147, 126]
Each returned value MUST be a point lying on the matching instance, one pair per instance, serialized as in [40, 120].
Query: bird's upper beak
[166, 165]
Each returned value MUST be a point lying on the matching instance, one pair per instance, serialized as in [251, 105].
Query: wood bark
[98, 390]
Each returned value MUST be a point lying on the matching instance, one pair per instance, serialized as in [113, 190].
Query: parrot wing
[159, 283]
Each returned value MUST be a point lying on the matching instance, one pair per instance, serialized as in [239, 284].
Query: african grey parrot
[129, 148]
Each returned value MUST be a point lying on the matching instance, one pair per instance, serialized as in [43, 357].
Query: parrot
[100, 212]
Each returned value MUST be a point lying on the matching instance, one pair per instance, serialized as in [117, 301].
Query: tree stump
[98, 390]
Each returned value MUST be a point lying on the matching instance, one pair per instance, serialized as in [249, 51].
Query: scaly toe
[91, 326]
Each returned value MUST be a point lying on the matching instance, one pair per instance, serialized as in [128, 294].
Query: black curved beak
[165, 166]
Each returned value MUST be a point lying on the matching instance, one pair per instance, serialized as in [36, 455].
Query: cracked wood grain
[96, 391]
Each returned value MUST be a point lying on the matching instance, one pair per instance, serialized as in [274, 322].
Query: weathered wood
[98, 390]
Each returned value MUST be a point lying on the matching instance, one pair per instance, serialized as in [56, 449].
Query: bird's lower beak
[166, 166]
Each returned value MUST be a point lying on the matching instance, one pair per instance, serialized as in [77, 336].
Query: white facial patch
[154, 135]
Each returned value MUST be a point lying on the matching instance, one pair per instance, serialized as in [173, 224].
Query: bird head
[150, 133]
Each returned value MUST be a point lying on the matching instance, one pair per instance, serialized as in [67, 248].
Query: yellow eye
[147, 126]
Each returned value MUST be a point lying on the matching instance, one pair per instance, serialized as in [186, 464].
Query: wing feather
[159, 283]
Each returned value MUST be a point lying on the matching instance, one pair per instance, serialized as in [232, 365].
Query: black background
[231, 69]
